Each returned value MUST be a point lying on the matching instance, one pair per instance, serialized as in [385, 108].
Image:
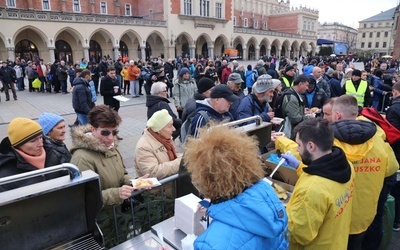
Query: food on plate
[276, 135]
[314, 110]
[143, 183]
[282, 193]
[277, 120]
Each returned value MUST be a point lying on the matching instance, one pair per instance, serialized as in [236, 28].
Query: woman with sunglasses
[95, 148]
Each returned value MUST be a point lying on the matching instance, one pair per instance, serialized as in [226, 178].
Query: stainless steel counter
[172, 235]
[150, 240]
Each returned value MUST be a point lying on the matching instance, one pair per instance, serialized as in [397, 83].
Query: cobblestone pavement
[133, 113]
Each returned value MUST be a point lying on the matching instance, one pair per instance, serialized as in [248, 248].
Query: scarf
[36, 161]
[168, 144]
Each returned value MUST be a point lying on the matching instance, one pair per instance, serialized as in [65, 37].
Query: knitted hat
[22, 130]
[183, 71]
[204, 84]
[48, 121]
[288, 68]
[159, 120]
[264, 83]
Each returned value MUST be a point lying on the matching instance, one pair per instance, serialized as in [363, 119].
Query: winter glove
[291, 160]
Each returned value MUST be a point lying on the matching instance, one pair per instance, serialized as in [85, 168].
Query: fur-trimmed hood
[82, 138]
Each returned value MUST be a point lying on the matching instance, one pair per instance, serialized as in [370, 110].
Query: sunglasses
[107, 132]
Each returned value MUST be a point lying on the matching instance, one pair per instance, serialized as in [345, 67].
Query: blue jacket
[199, 121]
[249, 78]
[235, 105]
[255, 219]
[250, 106]
[336, 88]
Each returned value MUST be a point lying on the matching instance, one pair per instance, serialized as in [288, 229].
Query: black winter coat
[12, 163]
[156, 103]
[56, 152]
[107, 90]
[81, 96]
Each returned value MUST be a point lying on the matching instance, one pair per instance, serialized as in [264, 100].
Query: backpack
[392, 133]
[254, 75]
[186, 126]
[278, 110]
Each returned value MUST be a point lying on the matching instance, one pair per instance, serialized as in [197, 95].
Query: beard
[306, 157]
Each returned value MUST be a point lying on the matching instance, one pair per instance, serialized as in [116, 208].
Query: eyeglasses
[108, 132]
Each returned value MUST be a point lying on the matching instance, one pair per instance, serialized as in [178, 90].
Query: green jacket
[89, 153]
[183, 91]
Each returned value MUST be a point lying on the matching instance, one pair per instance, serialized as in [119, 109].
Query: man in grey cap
[215, 108]
[234, 82]
[257, 103]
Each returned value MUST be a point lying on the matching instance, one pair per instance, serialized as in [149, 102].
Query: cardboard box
[283, 174]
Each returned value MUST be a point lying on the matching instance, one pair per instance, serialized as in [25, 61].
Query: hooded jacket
[56, 152]
[319, 210]
[373, 160]
[190, 108]
[250, 106]
[151, 157]
[183, 91]
[81, 96]
[89, 153]
[199, 121]
[156, 103]
[255, 219]
[12, 163]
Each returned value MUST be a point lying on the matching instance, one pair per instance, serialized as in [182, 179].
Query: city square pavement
[133, 113]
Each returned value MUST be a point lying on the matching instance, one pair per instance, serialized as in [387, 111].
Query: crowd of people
[346, 168]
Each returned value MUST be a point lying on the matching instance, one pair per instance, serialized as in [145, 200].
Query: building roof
[383, 16]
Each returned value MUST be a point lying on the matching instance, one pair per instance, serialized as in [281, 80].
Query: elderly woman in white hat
[155, 151]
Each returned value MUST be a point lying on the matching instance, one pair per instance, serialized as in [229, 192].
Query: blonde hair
[347, 105]
[223, 161]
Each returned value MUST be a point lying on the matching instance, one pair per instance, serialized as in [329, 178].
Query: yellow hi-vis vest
[359, 93]
[287, 83]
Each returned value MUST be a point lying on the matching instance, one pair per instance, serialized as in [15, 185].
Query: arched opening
[95, 51]
[252, 52]
[26, 49]
[148, 51]
[283, 51]
[204, 50]
[63, 52]
[185, 50]
[123, 49]
[263, 50]
[239, 48]
[273, 50]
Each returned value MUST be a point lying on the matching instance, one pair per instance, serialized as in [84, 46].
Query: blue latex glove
[291, 160]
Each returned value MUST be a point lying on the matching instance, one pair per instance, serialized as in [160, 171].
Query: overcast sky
[347, 12]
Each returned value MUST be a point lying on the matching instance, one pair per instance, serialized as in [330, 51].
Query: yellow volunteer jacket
[319, 211]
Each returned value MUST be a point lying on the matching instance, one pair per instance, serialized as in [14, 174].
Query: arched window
[95, 51]
[123, 49]
[27, 50]
[63, 51]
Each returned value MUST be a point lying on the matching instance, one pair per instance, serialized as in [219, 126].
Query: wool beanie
[48, 121]
[205, 84]
[183, 71]
[22, 130]
[159, 120]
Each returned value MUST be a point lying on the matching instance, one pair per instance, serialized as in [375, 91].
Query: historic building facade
[75, 29]
[375, 34]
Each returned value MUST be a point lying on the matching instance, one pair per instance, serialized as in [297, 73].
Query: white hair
[157, 87]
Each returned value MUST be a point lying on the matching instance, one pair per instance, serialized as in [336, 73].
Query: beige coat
[89, 153]
[151, 157]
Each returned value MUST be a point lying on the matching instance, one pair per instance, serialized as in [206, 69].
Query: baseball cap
[235, 78]
[265, 82]
[223, 91]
